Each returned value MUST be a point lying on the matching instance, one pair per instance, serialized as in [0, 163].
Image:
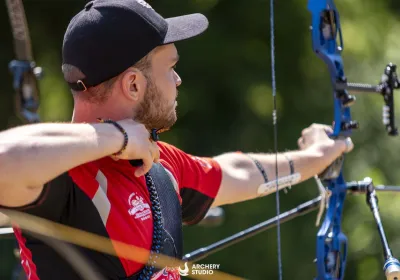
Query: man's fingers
[305, 131]
[146, 166]
[301, 143]
[315, 126]
[153, 155]
[328, 129]
[347, 144]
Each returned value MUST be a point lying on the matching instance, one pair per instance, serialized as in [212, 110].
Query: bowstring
[274, 118]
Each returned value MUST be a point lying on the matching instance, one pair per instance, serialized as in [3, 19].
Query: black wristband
[120, 128]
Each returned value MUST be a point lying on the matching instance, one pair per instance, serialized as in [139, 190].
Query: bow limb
[25, 83]
[23, 67]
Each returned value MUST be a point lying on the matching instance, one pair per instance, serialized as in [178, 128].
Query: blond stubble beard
[152, 111]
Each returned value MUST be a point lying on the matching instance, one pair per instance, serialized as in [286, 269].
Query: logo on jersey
[168, 273]
[138, 207]
[144, 4]
[204, 163]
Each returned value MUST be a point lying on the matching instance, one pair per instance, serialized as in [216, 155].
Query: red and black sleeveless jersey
[104, 197]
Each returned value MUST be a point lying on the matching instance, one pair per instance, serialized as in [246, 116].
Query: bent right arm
[32, 155]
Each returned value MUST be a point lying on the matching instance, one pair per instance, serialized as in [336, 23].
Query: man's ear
[133, 84]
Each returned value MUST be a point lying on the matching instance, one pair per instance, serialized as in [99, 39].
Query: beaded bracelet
[262, 171]
[123, 131]
[260, 168]
[258, 164]
[291, 164]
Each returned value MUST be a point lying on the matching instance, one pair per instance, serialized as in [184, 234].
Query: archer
[105, 170]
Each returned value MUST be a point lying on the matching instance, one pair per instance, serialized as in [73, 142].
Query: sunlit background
[225, 104]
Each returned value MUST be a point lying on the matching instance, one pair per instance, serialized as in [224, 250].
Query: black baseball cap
[109, 36]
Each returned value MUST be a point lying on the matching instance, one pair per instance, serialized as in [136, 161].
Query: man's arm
[241, 177]
[32, 155]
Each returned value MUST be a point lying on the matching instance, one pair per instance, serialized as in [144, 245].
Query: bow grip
[334, 169]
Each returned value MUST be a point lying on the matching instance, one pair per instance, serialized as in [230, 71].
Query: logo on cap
[144, 4]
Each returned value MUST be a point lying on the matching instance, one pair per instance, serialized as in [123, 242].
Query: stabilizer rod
[300, 210]
[309, 206]
[392, 265]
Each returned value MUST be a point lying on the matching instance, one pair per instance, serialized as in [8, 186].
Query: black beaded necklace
[156, 245]
[158, 228]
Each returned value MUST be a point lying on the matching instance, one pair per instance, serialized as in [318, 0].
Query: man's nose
[178, 80]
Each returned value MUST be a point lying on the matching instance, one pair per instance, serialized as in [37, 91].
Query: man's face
[158, 107]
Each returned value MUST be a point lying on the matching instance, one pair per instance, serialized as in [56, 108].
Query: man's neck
[84, 112]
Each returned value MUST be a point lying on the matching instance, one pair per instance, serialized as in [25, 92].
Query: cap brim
[185, 27]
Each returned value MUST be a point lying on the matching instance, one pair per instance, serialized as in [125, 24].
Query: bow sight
[328, 45]
[389, 82]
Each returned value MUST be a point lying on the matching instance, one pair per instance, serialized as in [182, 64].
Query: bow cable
[274, 118]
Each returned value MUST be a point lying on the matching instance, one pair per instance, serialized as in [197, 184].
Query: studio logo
[198, 269]
[185, 271]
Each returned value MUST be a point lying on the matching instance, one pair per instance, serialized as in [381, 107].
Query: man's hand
[140, 146]
[316, 137]
[242, 178]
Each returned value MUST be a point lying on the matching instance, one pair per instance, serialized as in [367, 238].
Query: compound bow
[327, 43]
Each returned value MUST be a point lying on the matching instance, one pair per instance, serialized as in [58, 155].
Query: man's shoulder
[166, 147]
[171, 153]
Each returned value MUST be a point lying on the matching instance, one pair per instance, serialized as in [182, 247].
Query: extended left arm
[241, 178]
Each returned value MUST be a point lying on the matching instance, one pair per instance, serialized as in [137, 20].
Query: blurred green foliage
[225, 104]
